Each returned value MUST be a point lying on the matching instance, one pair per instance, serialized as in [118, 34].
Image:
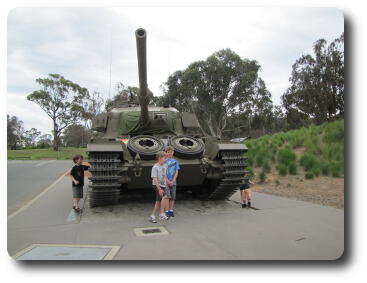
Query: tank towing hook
[204, 165]
[137, 168]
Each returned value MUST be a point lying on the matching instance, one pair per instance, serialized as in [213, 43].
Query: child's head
[169, 151]
[78, 159]
[161, 157]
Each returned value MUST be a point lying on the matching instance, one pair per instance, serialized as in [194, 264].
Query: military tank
[127, 139]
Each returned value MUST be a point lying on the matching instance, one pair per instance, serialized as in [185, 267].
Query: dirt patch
[322, 190]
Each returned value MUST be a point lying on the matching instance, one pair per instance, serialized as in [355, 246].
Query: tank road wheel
[234, 170]
[187, 147]
[104, 188]
[146, 146]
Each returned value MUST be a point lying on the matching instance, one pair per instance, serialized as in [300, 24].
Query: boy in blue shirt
[172, 173]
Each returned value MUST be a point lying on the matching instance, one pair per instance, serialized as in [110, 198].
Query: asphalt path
[28, 178]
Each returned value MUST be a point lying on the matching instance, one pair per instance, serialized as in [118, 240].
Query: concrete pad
[67, 252]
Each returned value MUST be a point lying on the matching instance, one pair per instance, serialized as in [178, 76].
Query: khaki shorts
[77, 192]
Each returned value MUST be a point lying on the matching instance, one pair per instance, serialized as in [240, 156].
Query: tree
[317, 84]
[61, 99]
[92, 106]
[218, 89]
[15, 131]
[45, 141]
[75, 135]
[125, 95]
[30, 137]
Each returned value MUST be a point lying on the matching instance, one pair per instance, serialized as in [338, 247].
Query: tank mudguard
[217, 147]
[105, 147]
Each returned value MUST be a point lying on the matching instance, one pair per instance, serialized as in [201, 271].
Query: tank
[123, 149]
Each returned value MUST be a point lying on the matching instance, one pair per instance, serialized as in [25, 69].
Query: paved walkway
[281, 229]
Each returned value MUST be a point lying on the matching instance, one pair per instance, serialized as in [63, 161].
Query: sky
[96, 48]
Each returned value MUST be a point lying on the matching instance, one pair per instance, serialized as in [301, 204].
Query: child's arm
[86, 167]
[73, 179]
[155, 180]
[174, 177]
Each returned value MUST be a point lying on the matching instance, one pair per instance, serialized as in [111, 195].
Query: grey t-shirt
[159, 171]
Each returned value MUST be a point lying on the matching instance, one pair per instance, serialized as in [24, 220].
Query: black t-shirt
[78, 173]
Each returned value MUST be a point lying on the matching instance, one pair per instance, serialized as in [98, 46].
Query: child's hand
[171, 183]
[76, 182]
[161, 192]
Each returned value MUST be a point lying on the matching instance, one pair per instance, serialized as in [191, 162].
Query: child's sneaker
[167, 213]
[153, 219]
[243, 205]
[171, 213]
[249, 204]
[162, 217]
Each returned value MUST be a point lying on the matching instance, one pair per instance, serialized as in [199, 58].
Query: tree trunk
[56, 134]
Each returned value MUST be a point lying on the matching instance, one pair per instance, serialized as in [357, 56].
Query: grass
[64, 153]
[316, 150]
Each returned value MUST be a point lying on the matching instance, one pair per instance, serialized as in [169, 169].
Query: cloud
[82, 44]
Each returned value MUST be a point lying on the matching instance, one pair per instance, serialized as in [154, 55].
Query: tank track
[234, 170]
[104, 188]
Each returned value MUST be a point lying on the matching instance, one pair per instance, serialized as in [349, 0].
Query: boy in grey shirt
[159, 172]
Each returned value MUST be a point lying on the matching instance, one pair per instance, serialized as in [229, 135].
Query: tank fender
[105, 147]
[217, 147]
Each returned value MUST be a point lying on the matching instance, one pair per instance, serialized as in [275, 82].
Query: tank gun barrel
[141, 36]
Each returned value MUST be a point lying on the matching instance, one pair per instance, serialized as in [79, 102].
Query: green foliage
[325, 168]
[308, 161]
[62, 100]
[319, 157]
[292, 168]
[250, 173]
[282, 169]
[309, 175]
[262, 176]
[266, 167]
[334, 132]
[286, 156]
[317, 85]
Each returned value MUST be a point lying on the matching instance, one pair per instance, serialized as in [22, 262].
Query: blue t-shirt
[172, 167]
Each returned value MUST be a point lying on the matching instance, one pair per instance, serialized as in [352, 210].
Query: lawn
[64, 153]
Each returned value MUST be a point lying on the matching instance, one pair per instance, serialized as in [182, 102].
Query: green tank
[128, 138]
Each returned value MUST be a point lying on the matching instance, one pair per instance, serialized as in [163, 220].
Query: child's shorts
[77, 192]
[172, 191]
[245, 186]
[166, 192]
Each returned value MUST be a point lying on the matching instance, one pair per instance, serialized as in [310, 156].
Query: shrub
[292, 168]
[309, 175]
[334, 132]
[325, 168]
[336, 168]
[316, 170]
[308, 161]
[262, 176]
[286, 156]
[266, 167]
[282, 169]
[250, 172]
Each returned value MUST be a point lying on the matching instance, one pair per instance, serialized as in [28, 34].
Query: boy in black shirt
[77, 177]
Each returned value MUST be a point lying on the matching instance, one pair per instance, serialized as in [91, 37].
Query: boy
[158, 175]
[77, 177]
[172, 173]
[246, 194]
